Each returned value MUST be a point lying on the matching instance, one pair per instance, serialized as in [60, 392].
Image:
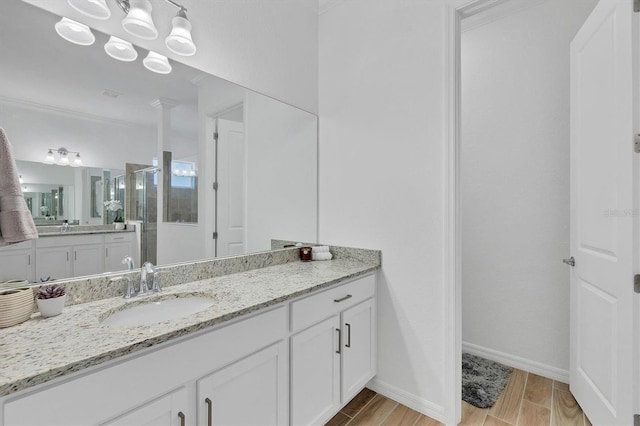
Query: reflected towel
[16, 223]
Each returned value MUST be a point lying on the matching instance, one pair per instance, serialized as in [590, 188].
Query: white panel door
[231, 176]
[603, 226]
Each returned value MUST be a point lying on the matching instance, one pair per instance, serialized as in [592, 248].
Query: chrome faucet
[128, 260]
[145, 285]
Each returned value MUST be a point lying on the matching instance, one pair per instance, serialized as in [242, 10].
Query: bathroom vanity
[289, 343]
[65, 255]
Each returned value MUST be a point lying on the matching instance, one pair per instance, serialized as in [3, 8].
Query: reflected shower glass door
[145, 208]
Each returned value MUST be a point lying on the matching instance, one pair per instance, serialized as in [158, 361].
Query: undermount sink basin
[155, 311]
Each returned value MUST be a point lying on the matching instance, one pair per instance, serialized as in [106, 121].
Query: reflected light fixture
[180, 41]
[157, 63]
[97, 9]
[138, 21]
[75, 32]
[120, 49]
[63, 159]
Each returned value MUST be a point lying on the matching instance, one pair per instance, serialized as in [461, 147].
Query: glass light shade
[77, 161]
[138, 21]
[157, 63]
[64, 159]
[97, 9]
[75, 32]
[120, 49]
[180, 41]
[49, 158]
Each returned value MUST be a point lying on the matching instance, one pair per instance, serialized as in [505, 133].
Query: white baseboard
[517, 362]
[423, 406]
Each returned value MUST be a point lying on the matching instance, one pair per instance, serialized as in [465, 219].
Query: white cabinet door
[358, 348]
[87, 260]
[169, 410]
[113, 255]
[53, 262]
[315, 373]
[252, 391]
[16, 265]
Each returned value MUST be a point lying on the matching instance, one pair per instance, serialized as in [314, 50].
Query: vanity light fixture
[138, 21]
[120, 49]
[157, 63]
[180, 41]
[63, 159]
[75, 32]
[97, 9]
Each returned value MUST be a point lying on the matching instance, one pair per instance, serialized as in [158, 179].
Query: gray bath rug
[482, 380]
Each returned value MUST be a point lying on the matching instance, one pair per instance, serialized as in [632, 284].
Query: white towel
[16, 223]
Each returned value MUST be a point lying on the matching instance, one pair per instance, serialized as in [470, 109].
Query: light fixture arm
[63, 150]
[125, 6]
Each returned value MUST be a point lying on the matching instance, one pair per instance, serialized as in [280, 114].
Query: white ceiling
[37, 66]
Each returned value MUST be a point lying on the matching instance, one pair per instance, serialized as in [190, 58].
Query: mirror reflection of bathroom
[119, 118]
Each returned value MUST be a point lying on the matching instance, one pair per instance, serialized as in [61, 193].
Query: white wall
[382, 151]
[268, 46]
[515, 185]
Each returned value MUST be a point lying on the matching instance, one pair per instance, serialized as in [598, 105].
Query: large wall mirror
[148, 140]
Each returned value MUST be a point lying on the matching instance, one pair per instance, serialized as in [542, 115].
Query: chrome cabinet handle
[209, 411]
[339, 341]
[182, 418]
[348, 345]
[570, 261]
[342, 299]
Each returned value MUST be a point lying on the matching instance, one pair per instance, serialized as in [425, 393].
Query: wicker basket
[16, 306]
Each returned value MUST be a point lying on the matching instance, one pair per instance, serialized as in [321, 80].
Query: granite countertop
[54, 231]
[42, 349]
[65, 234]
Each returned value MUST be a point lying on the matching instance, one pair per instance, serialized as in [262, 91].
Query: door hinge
[215, 235]
[636, 420]
[636, 142]
[215, 186]
[636, 284]
[636, 5]
[215, 136]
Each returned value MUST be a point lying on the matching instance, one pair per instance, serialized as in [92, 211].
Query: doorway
[509, 181]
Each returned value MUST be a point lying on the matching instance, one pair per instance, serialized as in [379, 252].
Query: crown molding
[34, 106]
[482, 13]
[163, 103]
[325, 5]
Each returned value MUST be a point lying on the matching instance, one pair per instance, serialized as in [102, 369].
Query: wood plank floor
[527, 400]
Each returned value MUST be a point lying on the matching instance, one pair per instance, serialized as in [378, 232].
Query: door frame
[456, 11]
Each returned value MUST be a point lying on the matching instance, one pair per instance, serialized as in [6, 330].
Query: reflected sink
[154, 311]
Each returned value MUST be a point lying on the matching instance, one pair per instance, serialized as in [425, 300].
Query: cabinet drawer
[25, 245]
[118, 237]
[68, 240]
[312, 309]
